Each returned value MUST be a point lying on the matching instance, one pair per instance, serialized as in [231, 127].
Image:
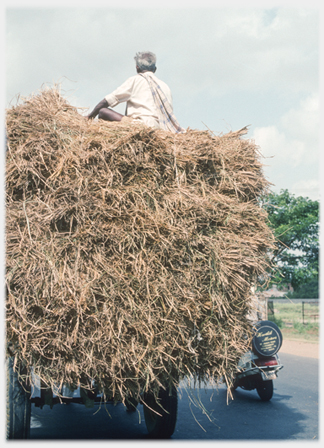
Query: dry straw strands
[130, 251]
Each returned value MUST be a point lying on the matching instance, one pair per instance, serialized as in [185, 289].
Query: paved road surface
[292, 414]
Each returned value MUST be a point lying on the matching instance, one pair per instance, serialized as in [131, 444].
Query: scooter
[260, 366]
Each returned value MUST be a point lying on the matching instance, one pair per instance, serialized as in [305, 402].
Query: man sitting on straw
[149, 100]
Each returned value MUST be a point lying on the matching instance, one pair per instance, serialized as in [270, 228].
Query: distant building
[260, 301]
[275, 292]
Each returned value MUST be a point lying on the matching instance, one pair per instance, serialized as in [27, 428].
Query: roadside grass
[289, 318]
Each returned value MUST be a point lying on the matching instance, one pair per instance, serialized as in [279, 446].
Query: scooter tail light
[266, 362]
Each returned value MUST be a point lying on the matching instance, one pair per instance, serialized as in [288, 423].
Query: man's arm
[95, 112]
[119, 95]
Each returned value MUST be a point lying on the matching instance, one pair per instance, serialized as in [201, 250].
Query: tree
[295, 223]
[308, 290]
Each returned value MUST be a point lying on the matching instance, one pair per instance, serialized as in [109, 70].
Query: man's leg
[109, 115]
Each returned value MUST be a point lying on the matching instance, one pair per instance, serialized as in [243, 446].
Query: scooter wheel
[265, 390]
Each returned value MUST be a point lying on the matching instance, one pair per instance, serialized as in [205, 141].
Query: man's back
[149, 99]
[140, 103]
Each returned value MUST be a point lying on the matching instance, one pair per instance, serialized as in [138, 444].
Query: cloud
[295, 138]
[232, 66]
[303, 122]
[275, 144]
[291, 148]
[307, 188]
[225, 50]
[245, 49]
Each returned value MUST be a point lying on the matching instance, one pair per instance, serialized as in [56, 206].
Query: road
[292, 414]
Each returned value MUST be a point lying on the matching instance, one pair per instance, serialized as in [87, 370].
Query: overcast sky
[227, 67]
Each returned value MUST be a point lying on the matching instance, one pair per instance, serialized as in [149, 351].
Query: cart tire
[18, 406]
[265, 390]
[131, 404]
[161, 426]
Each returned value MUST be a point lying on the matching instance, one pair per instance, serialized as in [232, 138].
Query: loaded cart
[160, 414]
[130, 255]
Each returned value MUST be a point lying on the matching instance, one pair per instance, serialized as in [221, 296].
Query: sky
[227, 67]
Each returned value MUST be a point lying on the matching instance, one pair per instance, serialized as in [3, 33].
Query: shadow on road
[244, 418]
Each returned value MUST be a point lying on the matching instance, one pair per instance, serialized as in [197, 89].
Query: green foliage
[277, 320]
[289, 318]
[304, 328]
[295, 223]
[309, 290]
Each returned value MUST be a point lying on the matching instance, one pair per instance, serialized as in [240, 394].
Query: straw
[130, 251]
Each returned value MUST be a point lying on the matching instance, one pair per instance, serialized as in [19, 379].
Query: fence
[289, 310]
[310, 311]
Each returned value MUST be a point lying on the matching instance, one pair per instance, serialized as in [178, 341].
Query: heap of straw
[130, 252]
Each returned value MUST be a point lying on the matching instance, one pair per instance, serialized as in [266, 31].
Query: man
[149, 99]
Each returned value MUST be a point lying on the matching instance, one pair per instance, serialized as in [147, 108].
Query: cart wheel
[265, 390]
[131, 404]
[161, 426]
[18, 407]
